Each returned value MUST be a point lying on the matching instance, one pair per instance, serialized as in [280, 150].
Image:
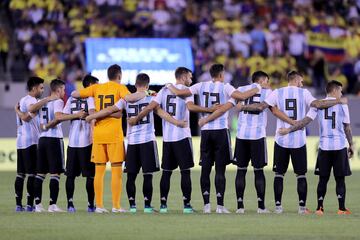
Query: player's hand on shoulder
[132, 121]
[53, 97]
[343, 100]
[283, 131]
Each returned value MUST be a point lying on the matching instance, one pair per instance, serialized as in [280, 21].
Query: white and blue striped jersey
[143, 131]
[27, 132]
[80, 130]
[292, 101]
[211, 93]
[176, 107]
[252, 125]
[47, 114]
[331, 122]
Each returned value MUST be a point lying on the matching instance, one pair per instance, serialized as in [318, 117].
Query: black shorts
[282, 157]
[79, 161]
[337, 159]
[250, 149]
[144, 156]
[177, 154]
[26, 160]
[215, 147]
[50, 155]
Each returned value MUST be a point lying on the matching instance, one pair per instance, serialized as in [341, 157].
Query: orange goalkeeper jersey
[107, 130]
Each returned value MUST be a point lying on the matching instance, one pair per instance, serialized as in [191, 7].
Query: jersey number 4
[332, 117]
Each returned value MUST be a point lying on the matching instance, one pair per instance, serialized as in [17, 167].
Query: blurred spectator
[4, 49]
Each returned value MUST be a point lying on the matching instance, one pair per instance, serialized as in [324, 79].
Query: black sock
[90, 191]
[186, 187]
[220, 183]
[240, 183]
[260, 184]
[30, 190]
[341, 192]
[19, 187]
[54, 189]
[147, 189]
[302, 190]
[205, 183]
[131, 188]
[165, 186]
[70, 188]
[278, 188]
[38, 188]
[321, 190]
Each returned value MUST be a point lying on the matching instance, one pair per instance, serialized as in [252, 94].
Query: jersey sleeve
[308, 97]
[27, 103]
[347, 114]
[124, 91]
[229, 89]
[88, 92]
[58, 106]
[272, 98]
[159, 96]
[91, 103]
[121, 104]
[195, 89]
[67, 108]
[312, 113]
[232, 101]
[189, 99]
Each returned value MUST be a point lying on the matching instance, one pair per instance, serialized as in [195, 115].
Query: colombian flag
[333, 48]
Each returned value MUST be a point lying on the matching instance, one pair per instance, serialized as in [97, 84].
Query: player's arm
[241, 96]
[196, 108]
[298, 125]
[152, 105]
[61, 117]
[255, 107]
[134, 97]
[179, 92]
[51, 124]
[282, 116]
[322, 104]
[348, 133]
[103, 113]
[219, 112]
[84, 93]
[167, 117]
[33, 108]
[24, 116]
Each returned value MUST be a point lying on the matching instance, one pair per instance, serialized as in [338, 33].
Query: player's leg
[30, 166]
[299, 161]
[42, 169]
[149, 163]
[281, 163]
[223, 157]
[206, 163]
[341, 169]
[72, 171]
[55, 152]
[323, 169]
[19, 180]
[99, 157]
[116, 153]
[132, 168]
[241, 159]
[185, 161]
[168, 164]
[88, 171]
[259, 161]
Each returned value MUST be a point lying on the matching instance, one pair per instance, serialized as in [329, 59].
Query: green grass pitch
[176, 225]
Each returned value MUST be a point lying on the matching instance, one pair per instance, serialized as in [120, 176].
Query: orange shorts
[108, 152]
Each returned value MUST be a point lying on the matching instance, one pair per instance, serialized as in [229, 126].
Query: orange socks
[99, 184]
[116, 184]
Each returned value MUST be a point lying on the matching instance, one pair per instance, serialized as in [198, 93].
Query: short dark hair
[292, 75]
[216, 69]
[180, 71]
[33, 82]
[142, 80]
[88, 80]
[332, 85]
[257, 75]
[55, 84]
[113, 71]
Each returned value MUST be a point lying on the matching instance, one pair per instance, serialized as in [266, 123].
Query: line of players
[216, 98]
